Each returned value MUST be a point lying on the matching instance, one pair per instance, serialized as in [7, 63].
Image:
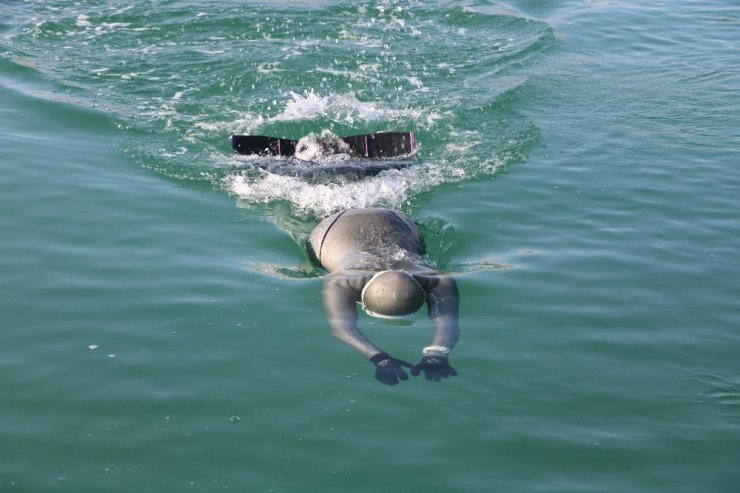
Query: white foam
[345, 108]
[460, 160]
[83, 21]
[327, 110]
[389, 189]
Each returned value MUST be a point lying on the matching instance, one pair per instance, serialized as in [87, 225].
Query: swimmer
[374, 259]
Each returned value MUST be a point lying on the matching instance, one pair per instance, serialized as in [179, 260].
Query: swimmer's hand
[435, 368]
[389, 370]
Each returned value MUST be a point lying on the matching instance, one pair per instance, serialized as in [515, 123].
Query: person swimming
[374, 258]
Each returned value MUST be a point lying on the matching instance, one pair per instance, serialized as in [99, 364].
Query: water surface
[577, 169]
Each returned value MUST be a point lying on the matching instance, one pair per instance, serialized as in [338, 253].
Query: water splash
[193, 77]
[391, 189]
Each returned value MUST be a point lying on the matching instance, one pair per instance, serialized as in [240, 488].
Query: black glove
[389, 370]
[435, 368]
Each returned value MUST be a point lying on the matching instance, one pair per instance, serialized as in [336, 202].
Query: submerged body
[375, 258]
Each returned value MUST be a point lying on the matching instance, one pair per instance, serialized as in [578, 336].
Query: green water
[578, 169]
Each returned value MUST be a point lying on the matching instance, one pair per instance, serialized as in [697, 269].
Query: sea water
[577, 171]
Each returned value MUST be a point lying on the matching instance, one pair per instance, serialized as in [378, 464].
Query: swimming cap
[392, 294]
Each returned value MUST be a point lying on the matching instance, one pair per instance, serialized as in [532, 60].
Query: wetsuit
[354, 246]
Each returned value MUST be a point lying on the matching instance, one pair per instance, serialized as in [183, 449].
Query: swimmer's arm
[340, 297]
[444, 306]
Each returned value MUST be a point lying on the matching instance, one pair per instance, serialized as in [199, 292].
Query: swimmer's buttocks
[373, 231]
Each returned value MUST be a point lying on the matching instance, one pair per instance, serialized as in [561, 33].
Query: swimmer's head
[392, 294]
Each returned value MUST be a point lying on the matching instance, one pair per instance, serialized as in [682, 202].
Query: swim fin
[374, 145]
